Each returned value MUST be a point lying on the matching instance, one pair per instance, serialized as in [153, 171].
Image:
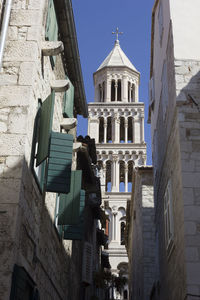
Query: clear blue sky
[95, 21]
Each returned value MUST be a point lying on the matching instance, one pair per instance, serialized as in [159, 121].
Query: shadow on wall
[29, 238]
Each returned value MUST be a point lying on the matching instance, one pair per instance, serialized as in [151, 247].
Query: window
[51, 151]
[168, 215]
[122, 227]
[23, 287]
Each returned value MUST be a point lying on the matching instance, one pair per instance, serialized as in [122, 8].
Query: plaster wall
[186, 28]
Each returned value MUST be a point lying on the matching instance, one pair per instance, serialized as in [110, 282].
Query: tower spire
[117, 34]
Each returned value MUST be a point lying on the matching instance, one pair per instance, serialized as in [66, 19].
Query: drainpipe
[4, 28]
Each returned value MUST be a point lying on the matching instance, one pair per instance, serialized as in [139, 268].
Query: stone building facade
[116, 122]
[174, 116]
[42, 255]
[140, 235]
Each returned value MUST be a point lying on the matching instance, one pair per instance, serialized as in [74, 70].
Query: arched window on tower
[100, 93]
[130, 130]
[119, 90]
[109, 130]
[133, 93]
[108, 176]
[130, 175]
[129, 91]
[101, 130]
[122, 228]
[125, 294]
[122, 130]
[113, 90]
[122, 176]
[103, 91]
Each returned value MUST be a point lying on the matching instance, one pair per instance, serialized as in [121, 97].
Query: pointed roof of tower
[117, 58]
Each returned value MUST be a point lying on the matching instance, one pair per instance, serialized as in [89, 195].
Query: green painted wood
[76, 232]
[45, 127]
[51, 33]
[59, 163]
[68, 102]
[69, 205]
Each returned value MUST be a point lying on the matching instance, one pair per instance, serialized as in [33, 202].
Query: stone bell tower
[116, 121]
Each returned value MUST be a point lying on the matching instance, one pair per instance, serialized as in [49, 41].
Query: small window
[23, 287]
[122, 233]
[168, 215]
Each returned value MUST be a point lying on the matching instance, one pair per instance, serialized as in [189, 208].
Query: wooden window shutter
[68, 102]
[59, 163]
[69, 204]
[51, 23]
[76, 232]
[45, 126]
[87, 266]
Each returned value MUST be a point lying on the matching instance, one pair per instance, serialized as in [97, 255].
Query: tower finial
[117, 33]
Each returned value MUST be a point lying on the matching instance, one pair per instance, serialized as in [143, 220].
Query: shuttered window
[51, 33]
[69, 204]
[68, 102]
[59, 163]
[23, 286]
[45, 127]
[75, 232]
[87, 267]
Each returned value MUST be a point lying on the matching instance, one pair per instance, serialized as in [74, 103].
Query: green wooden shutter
[68, 102]
[45, 126]
[69, 205]
[51, 23]
[51, 33]
[59, 163]
[76, 232]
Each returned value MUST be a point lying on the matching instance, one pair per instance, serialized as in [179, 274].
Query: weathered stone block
[191, 179]
[17, 96]
[21, 51]
[10, 189]
[33, 33]
[12, 33]
[12, 144]
[6, 79]
[25, 17]
[3, 127]
[26, 73]
[190, 228]
[193, 273]
[191, 254]
[188, 196]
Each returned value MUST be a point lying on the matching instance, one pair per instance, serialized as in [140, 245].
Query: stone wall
[28, 236]
[142, 232]
[188, 90]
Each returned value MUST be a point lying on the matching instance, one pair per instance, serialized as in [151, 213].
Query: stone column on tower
[105, 130]
[126, 129]
[125, 88]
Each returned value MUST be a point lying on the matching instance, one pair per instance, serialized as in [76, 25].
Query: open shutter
[87, 263]
[75, 232]
[69, 204]
[68, 102]
[51, 24]
[59, 163]
[45, 126]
